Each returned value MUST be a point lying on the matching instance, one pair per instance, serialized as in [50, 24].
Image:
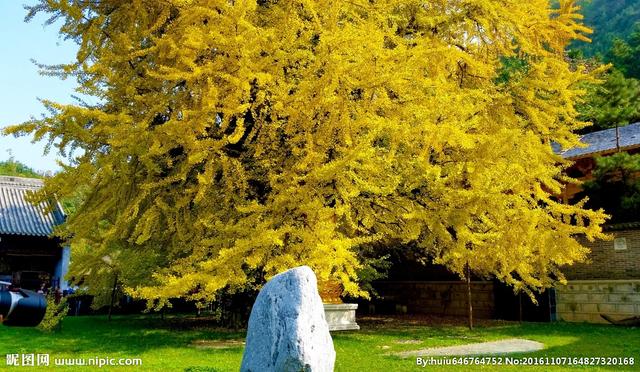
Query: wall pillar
[62, 268]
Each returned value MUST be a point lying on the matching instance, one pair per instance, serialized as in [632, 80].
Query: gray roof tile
[18, 216]
[603, 141]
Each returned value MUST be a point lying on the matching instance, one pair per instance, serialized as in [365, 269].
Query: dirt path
[512, 345]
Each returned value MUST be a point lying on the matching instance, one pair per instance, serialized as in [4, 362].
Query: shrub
[52, 320]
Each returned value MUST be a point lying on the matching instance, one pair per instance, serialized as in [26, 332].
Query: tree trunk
[520, 306]
[469, 297]
[113, 295]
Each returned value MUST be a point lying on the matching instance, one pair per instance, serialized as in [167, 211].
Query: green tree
[614, 103]
[625, 54]
[12, 167]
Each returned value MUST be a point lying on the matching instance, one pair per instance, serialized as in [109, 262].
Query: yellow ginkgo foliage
[235, 138]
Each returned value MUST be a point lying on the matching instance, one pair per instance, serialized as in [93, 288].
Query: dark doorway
[511, 306]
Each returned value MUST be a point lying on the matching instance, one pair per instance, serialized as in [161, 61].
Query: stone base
[585, 300]
[341, 317]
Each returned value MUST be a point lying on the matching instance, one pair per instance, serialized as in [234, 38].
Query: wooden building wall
[28, 261]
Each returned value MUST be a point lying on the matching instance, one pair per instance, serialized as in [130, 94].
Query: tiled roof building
[29, 255]
[601, 143]
[606, 141]
[18, 216]
[609, 283]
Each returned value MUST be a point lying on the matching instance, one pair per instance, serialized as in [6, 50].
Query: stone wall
[438, 298]
[585, 300]
[607, 262]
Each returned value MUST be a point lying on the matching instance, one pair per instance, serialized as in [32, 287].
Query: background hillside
[608, 19]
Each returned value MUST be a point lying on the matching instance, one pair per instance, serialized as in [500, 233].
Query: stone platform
[341, 317]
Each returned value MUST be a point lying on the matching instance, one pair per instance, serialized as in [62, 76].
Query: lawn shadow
[561, 339]
[580, 340]
[132, 335]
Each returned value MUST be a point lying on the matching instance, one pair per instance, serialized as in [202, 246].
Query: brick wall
[585, 300]
[608, 263]
[438, 298]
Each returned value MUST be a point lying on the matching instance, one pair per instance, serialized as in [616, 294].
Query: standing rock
[287, 329]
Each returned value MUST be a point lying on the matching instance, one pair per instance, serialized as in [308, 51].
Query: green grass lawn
[184, 344]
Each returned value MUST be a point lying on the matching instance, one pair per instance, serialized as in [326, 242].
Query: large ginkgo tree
[233, 139]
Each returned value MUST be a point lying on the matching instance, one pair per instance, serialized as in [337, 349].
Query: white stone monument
[341, 317]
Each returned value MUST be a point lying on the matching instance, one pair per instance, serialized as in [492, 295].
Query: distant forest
[12, 167]
[609, 19]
